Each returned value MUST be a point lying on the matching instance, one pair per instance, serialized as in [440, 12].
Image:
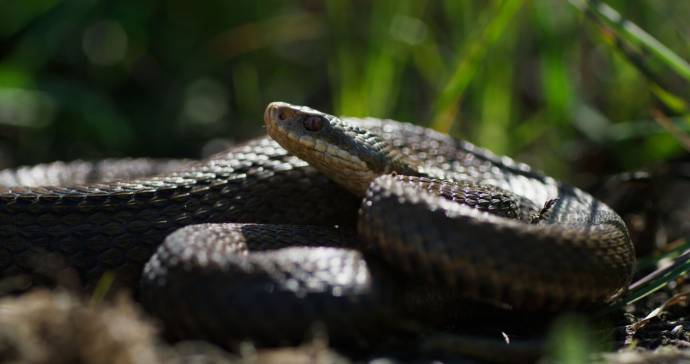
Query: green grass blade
[651, 58]
[642, 50]
[657, 280]
[570, 341]
[469, 59]
[102, 288]
[632, 33]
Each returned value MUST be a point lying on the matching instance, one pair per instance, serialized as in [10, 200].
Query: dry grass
[56, 327]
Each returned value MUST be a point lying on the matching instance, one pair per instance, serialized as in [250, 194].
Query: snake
[349, 223]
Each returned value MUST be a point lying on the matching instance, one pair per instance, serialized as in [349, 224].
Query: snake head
[348, 154]
[295, 120]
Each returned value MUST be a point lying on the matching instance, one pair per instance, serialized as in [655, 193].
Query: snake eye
[313, 123]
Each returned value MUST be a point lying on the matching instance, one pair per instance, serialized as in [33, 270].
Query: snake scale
[362, 222]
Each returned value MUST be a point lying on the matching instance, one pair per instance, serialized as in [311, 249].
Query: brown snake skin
[516, 238]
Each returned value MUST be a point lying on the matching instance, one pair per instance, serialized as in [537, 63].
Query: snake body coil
[441, 220]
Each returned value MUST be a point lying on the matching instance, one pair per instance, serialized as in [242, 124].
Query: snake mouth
[271, 114]
[283, 123]
[278, 119]
[276, 112]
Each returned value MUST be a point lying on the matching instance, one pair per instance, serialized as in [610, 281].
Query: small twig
[678, 299]
[668, 124]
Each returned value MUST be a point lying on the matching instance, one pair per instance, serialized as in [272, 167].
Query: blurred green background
[532, 79]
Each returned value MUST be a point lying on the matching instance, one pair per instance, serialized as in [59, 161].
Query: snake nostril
[282, 115]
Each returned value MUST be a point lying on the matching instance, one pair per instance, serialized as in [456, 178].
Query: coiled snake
[440, 220]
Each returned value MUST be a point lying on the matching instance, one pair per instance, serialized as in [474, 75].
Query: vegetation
[582, 90]
[537, 80]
